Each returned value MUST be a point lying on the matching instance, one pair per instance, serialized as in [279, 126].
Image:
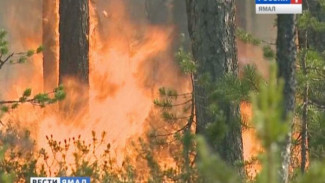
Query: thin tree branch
[2, 62]
[180, 104]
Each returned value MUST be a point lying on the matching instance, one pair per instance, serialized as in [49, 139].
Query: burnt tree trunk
[286, 59]
[212, 31]
[74, 51]
[50, 57]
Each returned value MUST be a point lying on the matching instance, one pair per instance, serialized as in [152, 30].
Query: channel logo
[278, 6]
[59, 180]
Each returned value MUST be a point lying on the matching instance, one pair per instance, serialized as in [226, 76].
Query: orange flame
[128, 63]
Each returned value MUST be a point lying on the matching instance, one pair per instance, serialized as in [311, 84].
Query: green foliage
[4, 109]
[15, 158]
[218, 129]
[165, 103]
[268, 52]
[247, 37]
[234, 89]
[311, 74]
[27, 92]
[19, 161]
[212, 169]
[30, 53]
[41, 99]
[268, 113]
[3, 43]
[309, 22]
[193, 160]
[170, 102]
[168, 92]
[167, 116]
[13, 58]
[316, 131]
[39, 49]
[186, 62]
[315, 174]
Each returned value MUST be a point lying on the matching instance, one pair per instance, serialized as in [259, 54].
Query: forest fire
[129, 60]
[128, 64]
[161, 91]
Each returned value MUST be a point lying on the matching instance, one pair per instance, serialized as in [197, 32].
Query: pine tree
[214, 51]
[311, 28]
[286, 60]
[74, 51]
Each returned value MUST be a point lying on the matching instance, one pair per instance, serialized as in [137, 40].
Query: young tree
[286, 59]
[212, 32]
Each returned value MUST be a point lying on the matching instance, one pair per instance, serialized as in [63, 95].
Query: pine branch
[173, 133]
[2, 62]
[183, 103]
[317, 104]
[40, 99]
[185, 94]
[190, 118]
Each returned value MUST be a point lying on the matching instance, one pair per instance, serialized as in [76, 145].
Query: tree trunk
[286, 58]
[74, 51]
[212, 31]
[303, 46]
[50, 57]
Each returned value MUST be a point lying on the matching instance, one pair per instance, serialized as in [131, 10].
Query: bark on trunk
[212, 32]
[304, 131]
[303, 46]
[286, 58]
[74, 50]
[50, 54]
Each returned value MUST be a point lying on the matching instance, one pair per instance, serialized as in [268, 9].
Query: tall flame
[128, 63]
